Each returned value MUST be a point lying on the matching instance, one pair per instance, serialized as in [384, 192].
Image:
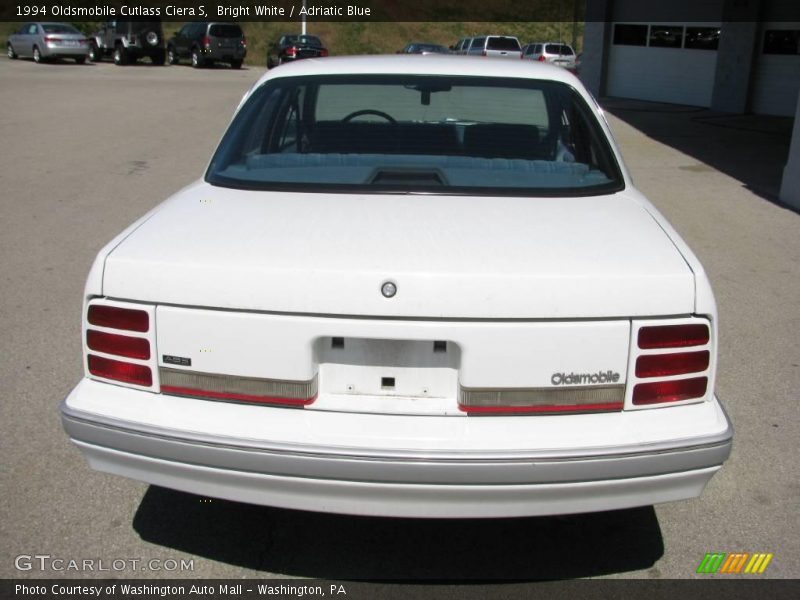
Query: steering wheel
[369, 111]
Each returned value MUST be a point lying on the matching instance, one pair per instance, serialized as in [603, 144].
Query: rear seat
[384, 138]
[498, 140]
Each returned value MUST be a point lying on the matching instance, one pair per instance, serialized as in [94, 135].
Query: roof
[425, 64]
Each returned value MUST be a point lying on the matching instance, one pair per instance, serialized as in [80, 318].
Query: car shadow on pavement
[317, 545]
[752, 149]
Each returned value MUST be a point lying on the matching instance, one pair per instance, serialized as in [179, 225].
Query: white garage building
[736, 56]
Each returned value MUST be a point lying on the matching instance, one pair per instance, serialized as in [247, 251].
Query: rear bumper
[65, 51]
[393, 479]
[225, 54]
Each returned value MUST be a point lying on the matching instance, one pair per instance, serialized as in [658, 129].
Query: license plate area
[413, 369]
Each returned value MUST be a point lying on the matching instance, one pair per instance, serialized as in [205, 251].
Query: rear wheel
[80, 60]
[120, 55]
[94, 53]
[37, 55]
[197, 60]
[172, 56]
[11, 54]
[236, 64]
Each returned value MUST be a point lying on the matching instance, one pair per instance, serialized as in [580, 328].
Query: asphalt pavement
[88, 149]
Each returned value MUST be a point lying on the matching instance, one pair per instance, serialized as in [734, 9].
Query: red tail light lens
[673, 336]
[323, 52]
[669, 391]
[120, 371]
[121, 345]
[662, 365]
[206, 41]
[291, 51]
[541, 58]
[119, 318]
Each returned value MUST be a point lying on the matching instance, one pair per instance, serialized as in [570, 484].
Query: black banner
[390, 10]
[744, 588]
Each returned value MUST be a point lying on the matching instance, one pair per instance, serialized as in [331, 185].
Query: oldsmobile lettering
[584, 378]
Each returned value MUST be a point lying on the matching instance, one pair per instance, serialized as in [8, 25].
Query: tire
[95, 55]
[121, 57]
[158, 59]
[37, 55]
[10, 50]
[172, 56]
[270, 64]
[197, 60]
[236, 64]
[79, 60]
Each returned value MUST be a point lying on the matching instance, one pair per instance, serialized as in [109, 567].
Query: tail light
[292, 51]
[323, 52]
[120, 371]
[49, 39]
[206, 42]
[120, 343]
[671, 363]
[119, 318]
[672, 336]
[541, 58]
[244, 42]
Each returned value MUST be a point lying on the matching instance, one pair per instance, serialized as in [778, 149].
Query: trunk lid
[450, 257]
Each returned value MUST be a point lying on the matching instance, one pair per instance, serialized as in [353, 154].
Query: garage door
[776, 77]
[673, 63]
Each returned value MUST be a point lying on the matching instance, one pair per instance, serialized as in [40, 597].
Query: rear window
[409, 133]
[560, 49]
[502, 43]
[59, 28]
[309, 40]
[225, 31]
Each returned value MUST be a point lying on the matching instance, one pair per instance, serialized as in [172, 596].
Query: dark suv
[206, 43]
[127, 41]
[294, 47]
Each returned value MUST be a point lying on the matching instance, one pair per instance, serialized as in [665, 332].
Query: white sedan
[418, 286]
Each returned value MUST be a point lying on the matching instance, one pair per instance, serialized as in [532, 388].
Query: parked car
[461, 46]
[406, 286]
[497, 46]
[423, 48]
[126, 41]
[292, 47]
[47, 41]
[555, 53]
[205, 43]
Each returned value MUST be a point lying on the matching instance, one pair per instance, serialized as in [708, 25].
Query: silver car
[47, 41]
[555, 53]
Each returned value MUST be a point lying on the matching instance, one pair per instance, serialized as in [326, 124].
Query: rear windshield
[502, 43]
[561, 49]
[413, 133]
[308, 40]
[225, 31]
[59, 28]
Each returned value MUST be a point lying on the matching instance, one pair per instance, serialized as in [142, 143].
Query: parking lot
[87, 149]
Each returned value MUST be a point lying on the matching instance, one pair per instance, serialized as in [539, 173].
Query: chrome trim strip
[70, 415]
